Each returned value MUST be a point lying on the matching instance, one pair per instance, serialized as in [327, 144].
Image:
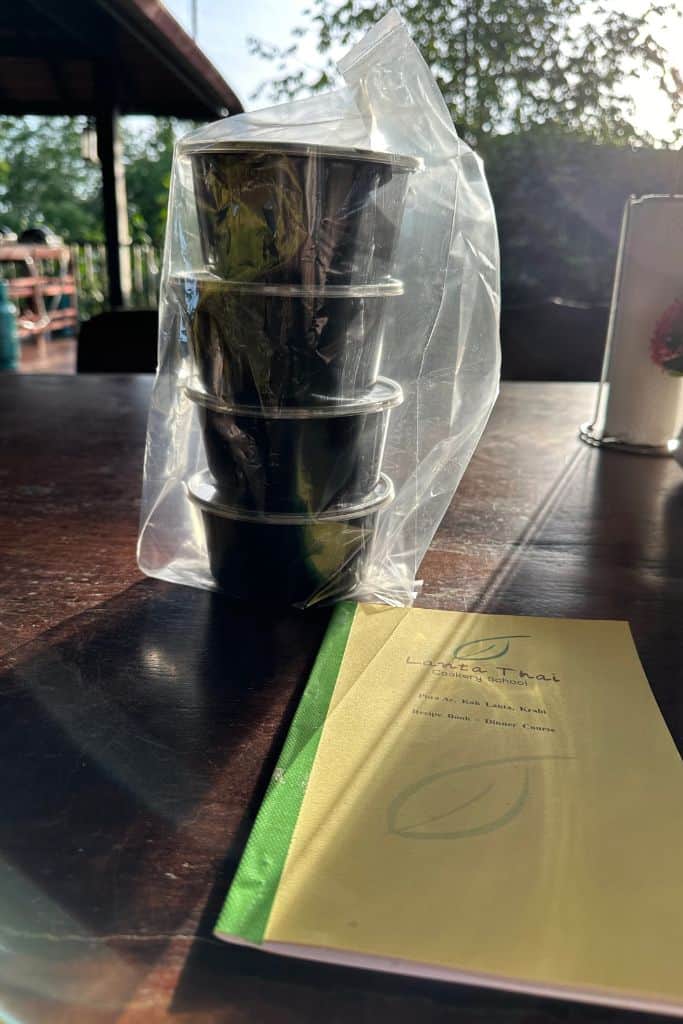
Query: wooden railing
[42, 286]
[89, 261]
[53, 287]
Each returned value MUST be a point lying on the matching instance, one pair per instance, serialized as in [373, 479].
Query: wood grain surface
[140, 721]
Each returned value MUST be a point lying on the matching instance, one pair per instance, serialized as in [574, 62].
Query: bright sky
[223, 26]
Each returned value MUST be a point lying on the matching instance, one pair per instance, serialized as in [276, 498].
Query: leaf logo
[488, 648]
[408, 818]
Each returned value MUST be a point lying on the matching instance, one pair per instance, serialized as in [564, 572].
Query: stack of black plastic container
[286, 324]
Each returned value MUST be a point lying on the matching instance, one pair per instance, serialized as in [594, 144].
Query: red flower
[666, 344]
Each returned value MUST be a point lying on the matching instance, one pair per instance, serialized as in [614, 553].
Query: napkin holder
[640, 405]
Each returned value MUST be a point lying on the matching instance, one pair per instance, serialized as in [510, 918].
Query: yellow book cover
[483, 798]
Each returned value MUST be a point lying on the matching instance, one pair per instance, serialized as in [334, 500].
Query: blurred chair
[119, 341]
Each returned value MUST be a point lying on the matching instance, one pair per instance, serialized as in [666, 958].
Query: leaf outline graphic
[404, 832]
[491, 646]
[407, 829]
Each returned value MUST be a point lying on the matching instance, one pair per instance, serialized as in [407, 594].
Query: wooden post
[115, 204]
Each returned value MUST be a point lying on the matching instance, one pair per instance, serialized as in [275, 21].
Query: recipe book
[489, 799]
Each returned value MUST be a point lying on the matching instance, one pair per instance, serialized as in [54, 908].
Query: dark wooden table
[140, 721]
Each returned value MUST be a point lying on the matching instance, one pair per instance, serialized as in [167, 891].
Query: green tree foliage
[508, 65]
[559, 201]
[44, 180]
[149, 154]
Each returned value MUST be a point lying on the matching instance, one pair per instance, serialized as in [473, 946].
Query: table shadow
[134, 739]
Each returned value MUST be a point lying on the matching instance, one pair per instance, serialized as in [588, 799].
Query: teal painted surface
[9, 342]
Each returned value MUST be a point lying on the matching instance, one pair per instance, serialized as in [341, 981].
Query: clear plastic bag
[328, 348]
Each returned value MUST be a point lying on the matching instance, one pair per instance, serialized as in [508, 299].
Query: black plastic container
[287, 558]
[299, 461]
[299, 214]
[280, 345]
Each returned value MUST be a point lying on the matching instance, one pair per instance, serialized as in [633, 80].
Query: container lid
[203, 278]
[202, 491]
[397, 160]
[385, 394]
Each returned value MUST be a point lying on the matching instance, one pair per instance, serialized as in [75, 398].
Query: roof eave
[170, 42]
